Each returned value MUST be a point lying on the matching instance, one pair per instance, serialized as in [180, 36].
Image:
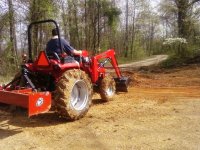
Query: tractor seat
[66, 59]
[53, 55]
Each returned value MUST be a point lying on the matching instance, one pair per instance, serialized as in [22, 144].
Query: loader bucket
[122, 84]
[35, 102]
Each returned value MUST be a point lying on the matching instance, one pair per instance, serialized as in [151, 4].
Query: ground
[160, 111]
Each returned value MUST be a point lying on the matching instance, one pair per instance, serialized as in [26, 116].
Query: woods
[135, 28]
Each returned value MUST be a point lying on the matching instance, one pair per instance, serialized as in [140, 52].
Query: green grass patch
[176, 61]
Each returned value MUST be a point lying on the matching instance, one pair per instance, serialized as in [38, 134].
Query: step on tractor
[62, 83]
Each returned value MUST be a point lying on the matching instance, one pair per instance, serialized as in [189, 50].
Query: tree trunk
[76, 23]
[98, 26]
[12, 31]
[64, 19]
[126, 35]
[182, 6]
[70, 21]
[86, 26]
[133, 30]
[183, 18]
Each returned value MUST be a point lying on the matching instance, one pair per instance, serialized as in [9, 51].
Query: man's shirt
[54, 46]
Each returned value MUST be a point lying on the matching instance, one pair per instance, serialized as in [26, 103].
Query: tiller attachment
[122, 84]
[35, 102]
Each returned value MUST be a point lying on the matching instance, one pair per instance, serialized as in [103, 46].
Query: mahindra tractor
[62, 83]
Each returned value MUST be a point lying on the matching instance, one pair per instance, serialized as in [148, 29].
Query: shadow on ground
[18, 118]
[5, 133]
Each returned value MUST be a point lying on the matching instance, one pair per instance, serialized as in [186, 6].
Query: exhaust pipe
[122, 84]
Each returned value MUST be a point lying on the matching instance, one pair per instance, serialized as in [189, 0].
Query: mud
[160, 111]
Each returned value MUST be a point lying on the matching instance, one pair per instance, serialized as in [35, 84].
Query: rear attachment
[122, 84]
[35, 102]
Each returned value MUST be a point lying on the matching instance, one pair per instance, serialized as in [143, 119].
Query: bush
[173, 61]
[177, 46]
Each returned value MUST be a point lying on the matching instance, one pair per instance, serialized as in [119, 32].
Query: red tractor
[62, 83]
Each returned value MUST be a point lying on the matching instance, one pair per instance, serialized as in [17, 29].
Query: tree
[183, 9]
[181, 17]
[41, 10]
[13, 41]
[126, 33]
[180, 11]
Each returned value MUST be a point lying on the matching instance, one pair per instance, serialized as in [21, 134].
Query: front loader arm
[98, 70]
[99, 67]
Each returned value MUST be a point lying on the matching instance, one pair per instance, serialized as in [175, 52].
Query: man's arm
[68, 48]
[77, 52]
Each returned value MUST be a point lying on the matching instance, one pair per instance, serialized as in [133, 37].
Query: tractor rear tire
[107, 88]
[73, 95]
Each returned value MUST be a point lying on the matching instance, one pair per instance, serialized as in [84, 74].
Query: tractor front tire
[107, 88]
[73, 94]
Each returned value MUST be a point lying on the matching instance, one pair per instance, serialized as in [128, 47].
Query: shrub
[177, 46]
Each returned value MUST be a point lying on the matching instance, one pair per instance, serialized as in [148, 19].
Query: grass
[176, 61]
[173, 61]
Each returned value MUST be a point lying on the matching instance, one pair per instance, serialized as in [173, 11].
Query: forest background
[134, 28]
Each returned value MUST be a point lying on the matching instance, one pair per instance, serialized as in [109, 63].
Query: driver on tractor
[53, 46]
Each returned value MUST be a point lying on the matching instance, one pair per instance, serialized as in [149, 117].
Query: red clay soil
[160, 111]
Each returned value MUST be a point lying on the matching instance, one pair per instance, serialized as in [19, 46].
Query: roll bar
[29, 35]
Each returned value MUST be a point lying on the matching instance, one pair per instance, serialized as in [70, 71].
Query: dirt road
[161, 111]
[147, 62]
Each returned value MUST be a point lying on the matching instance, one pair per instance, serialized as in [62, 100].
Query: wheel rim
[110, 90]
[79, 95]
